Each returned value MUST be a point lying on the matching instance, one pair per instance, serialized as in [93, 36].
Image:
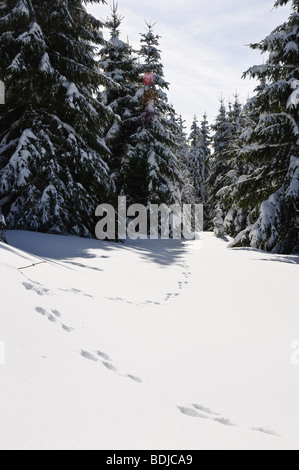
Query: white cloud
[203, 45]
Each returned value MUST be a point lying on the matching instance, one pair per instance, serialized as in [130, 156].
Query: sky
[204, 44]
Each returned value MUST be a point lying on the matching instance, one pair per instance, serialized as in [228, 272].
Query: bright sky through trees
[203, 44]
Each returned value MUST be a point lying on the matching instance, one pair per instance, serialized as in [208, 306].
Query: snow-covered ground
[147, 345]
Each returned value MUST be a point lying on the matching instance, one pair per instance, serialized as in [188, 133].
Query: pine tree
[200, 157]
[152, 170]
[272, 188]
[120, 64]
[53, 171]
[219, 168]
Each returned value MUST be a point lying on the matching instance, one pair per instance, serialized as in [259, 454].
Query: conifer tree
[119, 62]
[219, 168]
[53, 169]
[200, 157]
[2, 229]
[152, 171]
[272, 189]
[236, 217]
[183, 154]
[235, 116]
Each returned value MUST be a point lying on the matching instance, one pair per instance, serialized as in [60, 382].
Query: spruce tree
[183, 154]
[119, 62]
[235, 116]
[200, 157]
[3, 238]
[219, 168]
[152, 170]
[272, 189]
[53, 169]
[236, 217]
[233, 218]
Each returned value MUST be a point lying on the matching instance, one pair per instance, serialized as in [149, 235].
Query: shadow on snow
[70, 248]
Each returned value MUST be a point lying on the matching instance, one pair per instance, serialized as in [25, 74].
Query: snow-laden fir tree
[200, 154]
[52, 157]
[235, 116]
[2, 229]
[236, 217]
[219, 166]
[228, 216]
[120, 64]
[152, 170]
[182, 152]
[273, 150]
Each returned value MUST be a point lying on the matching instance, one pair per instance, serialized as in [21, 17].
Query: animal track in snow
[149, 302]
[41, 310]
[181, 284]
[89, 356]
[169, 296]
[103, 356]
[191, 412]
[36, 287]
[266, 431]
[67, 328]
[224, 421]
[200, 411]
[39, 289]
[119, 299]
[205, 410]
[136, 379]
[56, 313]
[53, 317]
[77, 292]
[110, 366]
[106, 361]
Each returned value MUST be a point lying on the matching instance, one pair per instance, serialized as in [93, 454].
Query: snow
[259, 69]
[117, 42]
[50, 190]
[35, 33]
[72, 93]
[22, 9]
[294, 97]
[266, 224]
[2, 93]
[17, 63]
[293, 189]
[147, 345]
[45, 64]
[19, 159]
[242, 179]
[291, 46]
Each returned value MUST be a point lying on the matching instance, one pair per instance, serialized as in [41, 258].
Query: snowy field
[147, 345]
